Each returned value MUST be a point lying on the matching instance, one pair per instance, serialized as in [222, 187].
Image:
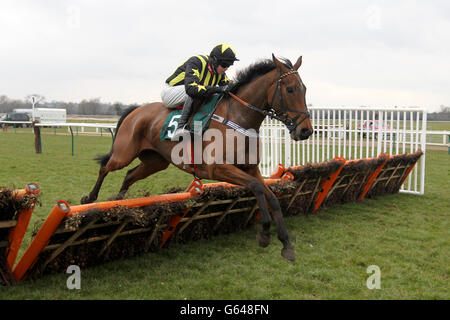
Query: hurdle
[87, 235]
[16, 207]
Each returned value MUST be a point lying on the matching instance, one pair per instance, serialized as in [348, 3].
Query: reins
[271, 113]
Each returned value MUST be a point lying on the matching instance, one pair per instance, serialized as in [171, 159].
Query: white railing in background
[21, 123]
[346, 132]
[438, 138]
[81, 125]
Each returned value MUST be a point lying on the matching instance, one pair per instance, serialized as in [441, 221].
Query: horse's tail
[104, 158]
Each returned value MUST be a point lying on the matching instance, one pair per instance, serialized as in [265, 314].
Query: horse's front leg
[283, 235]
[232, 174]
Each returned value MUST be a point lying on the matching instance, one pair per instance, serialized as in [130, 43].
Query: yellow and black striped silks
[197, 76]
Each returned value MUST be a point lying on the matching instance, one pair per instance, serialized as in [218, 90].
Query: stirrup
[179, 133]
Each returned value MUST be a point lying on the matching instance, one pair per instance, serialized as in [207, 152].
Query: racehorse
[271, 87]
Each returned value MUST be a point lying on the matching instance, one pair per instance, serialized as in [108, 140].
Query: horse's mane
[254, 71]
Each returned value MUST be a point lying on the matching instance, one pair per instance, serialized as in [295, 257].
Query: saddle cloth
[203, 115]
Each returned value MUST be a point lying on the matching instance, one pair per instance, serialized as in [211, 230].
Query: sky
[355, 53]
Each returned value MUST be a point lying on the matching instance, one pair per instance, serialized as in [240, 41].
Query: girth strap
[235, 126]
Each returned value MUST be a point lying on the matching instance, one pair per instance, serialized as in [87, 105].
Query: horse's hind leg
[117, 161]
[112, 165]
[151, 163]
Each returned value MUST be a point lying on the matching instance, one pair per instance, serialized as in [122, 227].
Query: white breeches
[173, 96]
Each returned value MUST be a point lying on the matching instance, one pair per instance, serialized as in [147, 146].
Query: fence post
[287, 147]
[448, 140]
[423, 147]
[71, 132]
[37, 137]
[379, 131]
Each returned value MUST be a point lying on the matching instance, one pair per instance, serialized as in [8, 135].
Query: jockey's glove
[222, 89]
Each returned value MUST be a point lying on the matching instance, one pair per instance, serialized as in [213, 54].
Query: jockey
[200, 76]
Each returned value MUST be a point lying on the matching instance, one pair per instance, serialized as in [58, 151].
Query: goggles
[225, 64]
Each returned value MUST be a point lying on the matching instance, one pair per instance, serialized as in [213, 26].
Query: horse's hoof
[85, 200]
[288, 253]
[263, 238]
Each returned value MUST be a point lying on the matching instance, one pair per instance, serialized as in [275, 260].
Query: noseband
[291, 124]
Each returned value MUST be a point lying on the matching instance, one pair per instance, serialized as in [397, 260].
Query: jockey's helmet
[223, 54]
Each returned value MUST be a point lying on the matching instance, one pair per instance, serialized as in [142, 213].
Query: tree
[38, 98]
[117, 108]
[91, 107]
[445, 109]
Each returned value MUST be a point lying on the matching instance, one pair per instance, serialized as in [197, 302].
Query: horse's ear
[277, 62]
[298, 63]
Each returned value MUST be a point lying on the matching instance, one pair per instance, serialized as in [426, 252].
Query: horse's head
[287, 97]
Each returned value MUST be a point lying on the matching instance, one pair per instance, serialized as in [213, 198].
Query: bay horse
[271, 87]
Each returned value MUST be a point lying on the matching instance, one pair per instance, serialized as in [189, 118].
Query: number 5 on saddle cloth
[204, 115]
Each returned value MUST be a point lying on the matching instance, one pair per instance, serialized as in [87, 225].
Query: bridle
[291, 124]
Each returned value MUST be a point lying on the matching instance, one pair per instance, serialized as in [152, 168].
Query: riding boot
[182, 122]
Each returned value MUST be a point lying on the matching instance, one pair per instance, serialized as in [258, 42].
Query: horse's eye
[289, 89]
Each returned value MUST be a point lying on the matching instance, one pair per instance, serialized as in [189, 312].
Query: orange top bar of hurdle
[139, 202]
[132, 203]
[229, 185]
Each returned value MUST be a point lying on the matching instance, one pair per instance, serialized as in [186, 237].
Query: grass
[405, 235]
[438, 125]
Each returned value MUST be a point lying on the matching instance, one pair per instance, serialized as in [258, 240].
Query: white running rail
[351, 133]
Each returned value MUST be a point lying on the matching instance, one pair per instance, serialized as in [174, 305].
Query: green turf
[405, 235]
[438, 125]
